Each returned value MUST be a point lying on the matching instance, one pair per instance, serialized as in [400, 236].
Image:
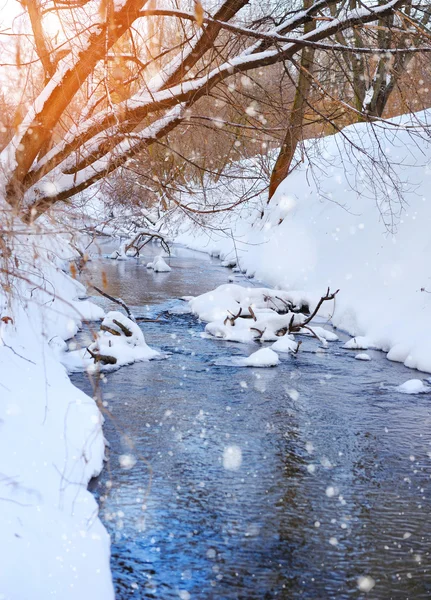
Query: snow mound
[242, 314]
[231, 297]
[119, 338]
[265, 357]
[262, 358]
[159, 265]
[413, 386]
[363, 356]
[357, 343]
[285, 344]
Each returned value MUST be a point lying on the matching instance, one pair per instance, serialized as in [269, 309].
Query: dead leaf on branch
[199, 13]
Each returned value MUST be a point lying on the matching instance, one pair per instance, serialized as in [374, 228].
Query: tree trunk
[296, 118]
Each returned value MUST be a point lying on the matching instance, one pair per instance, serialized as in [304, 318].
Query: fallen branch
[288, 305]
[123, 328]
[296, 328]
[314, 334]
[109, 330]
[117, 301]
[251, 311]
[233, 318]
[145, 320]
[297, 347]
[259, 331]
[102, 358]
[323, 299]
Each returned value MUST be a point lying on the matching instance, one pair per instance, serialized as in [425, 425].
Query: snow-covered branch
[144, 103]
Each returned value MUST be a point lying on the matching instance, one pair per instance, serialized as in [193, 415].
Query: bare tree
[57, 152]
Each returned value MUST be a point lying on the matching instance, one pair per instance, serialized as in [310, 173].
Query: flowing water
[332, 478]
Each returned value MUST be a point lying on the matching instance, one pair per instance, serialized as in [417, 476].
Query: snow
[244, 314]
[357, 343]
[52, 543]
[228, 297]
[232, 458]
[265, 357]
[285, 344]
[413, 386]
[363, 356]
[324, 334]
[159, 265]
[365, 583]
[125, 349]
[342, 218]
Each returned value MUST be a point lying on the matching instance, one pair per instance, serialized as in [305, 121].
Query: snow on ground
[111, 341]
[159, 265]
[413, 386]
[52, 543]
[345, 219]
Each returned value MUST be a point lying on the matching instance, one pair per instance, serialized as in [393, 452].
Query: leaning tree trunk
[296, 118]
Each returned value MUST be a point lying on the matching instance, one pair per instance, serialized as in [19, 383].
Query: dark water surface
[334, 482]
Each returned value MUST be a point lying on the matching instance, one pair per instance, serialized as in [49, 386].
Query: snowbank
[350, 220]
[52, 543]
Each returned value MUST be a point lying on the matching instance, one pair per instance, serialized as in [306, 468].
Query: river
[334, 482]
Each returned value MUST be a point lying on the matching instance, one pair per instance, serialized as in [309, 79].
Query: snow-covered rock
[363, 356]
[159, 265]
[413, 386]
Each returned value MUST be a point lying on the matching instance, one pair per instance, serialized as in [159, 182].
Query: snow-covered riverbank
[347, 219]
[52, 544]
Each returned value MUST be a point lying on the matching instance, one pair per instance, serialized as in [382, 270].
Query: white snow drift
[338, 229]
[52, 543]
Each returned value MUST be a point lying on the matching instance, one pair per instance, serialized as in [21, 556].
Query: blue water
[334, 482]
